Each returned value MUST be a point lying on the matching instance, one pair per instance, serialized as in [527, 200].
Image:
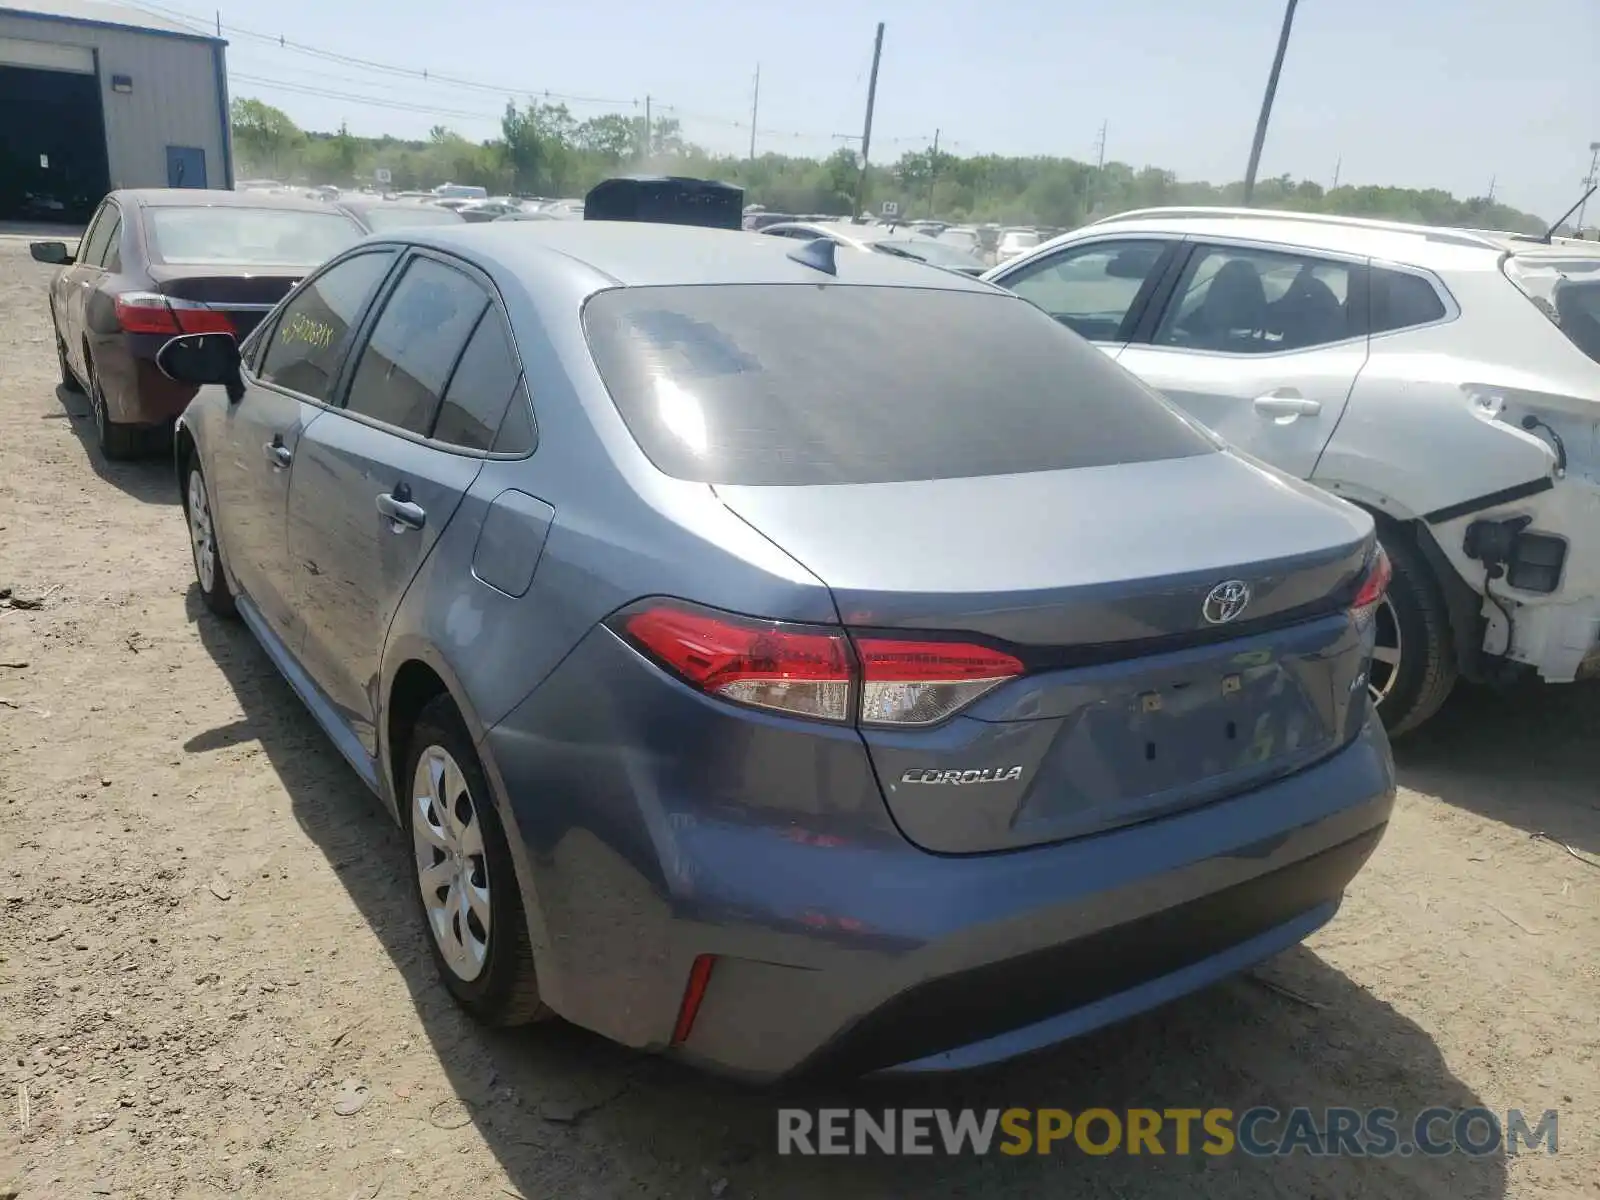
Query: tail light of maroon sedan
[815, 671]
[151, 312]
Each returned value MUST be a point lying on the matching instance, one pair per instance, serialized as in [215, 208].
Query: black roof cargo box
[666, 199]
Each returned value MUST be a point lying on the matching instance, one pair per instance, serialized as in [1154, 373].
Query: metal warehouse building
[96, 96]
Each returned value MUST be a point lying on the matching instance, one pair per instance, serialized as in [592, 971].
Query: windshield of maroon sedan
[789, 384]
[237, 236]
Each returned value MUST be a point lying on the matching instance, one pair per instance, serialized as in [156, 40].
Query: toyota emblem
[1226, 601]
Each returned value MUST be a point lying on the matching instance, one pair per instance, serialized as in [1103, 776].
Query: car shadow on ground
[149, 479]
[1527, 755]
[566, 1113]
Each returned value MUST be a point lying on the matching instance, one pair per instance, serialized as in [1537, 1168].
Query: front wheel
[208, 573]
[466, 882]
[68, 379]
[1413, 660]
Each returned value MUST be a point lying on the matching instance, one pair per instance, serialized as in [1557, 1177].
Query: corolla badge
[1226, 601]
[957, 778]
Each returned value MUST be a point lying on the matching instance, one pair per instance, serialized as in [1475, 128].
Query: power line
[423, 75]
[352, 98]
[350, 60]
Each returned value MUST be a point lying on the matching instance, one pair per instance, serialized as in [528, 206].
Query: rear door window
[480, 388]
[772, 384]
[1401, 300]
[419, 337]
[307, 344]
[93, 247]
[518, 434]
[1241, 300]
[111, 254]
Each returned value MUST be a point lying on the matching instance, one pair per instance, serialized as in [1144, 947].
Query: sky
[1452, 94]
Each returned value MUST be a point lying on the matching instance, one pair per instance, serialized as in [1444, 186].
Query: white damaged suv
[1446, 380]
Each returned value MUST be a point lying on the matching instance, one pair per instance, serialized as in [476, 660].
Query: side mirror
[54, 253]
[1131, 264]
[202, 359]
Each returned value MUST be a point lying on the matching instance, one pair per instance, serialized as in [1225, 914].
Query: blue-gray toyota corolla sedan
[783, 660]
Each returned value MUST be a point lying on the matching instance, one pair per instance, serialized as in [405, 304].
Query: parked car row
[600, 550]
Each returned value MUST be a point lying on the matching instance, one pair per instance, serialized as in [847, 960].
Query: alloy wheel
[452, 870]
[201, 534]
[1385, 669]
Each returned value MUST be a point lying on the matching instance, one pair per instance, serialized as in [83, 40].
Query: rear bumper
[1557, 633]
[650, 832]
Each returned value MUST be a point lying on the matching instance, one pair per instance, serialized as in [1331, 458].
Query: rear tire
[1426, 672]
[117, 442]
[462, 871]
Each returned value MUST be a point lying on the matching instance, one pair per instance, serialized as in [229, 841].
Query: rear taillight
[920, 683]
[1373, 585]
[792, 668]
[814, 671]
[151, 312]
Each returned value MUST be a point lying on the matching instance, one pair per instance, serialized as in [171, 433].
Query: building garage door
[52, 132]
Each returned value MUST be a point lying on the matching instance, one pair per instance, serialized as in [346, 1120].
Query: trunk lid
[1135, 703]
[246, 296]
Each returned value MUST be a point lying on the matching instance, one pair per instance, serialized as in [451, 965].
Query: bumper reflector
[693, 993]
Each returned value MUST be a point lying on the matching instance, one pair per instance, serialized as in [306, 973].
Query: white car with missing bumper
[1446, 380]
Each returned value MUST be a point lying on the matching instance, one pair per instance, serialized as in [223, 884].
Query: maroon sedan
[158, 262]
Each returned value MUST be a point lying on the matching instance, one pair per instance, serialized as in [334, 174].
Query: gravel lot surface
[206, 930]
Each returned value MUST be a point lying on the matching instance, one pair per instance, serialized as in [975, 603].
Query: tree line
[544, 150]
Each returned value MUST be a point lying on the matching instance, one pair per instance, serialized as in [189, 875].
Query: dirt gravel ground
[206, 929]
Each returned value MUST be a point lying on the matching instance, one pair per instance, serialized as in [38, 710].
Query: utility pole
[933, 170]
[755, 107]
[1493, 179]
[866, 132]
[219, 22]
[1338, 166]
[1266, 103]
[1589, 181]
[647, 129]
[1099, 171]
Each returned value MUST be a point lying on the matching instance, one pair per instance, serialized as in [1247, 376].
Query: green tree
[264, 137]
[612, 138]
[544, 149]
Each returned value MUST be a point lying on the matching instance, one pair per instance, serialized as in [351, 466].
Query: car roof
[1425, 246]
[641, 254]
[216, 198]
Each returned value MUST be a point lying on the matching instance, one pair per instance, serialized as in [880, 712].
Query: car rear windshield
[1565, 290]
[795, 384]
[229, 236]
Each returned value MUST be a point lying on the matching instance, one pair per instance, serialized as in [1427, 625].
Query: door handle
[1286, 402]
[401, 510]
[279, 455]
